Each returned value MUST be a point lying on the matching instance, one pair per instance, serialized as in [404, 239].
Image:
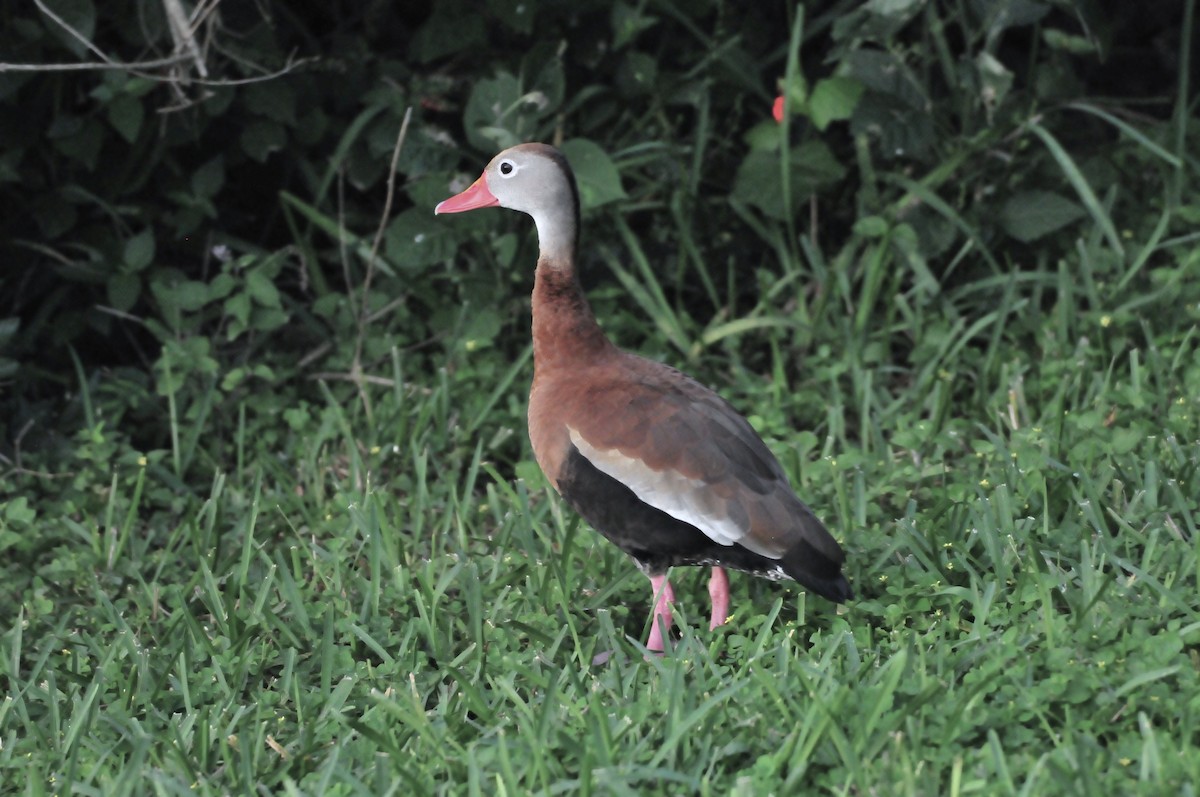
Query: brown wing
[684, 450]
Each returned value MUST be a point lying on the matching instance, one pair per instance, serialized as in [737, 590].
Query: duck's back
[671, 473]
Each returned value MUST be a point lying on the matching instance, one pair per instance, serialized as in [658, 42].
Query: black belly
[653, 538]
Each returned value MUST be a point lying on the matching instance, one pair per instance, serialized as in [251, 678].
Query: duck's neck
[564, 327]
[557, 224]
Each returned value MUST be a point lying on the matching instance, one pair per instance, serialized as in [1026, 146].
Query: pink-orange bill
[477, 196]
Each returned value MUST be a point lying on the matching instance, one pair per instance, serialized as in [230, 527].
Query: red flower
[777, 109]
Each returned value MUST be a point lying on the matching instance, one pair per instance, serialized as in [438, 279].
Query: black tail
[818, 571]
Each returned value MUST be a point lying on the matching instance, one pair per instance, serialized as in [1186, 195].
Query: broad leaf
[125, 114]
[208, 179]
[80, 15]
[833, 99]
[123, 290]
[598, 178]
[759, 181]
[1030, 215]
[260, 139]
[8, 328]
[416, 239]
[493, 118]
[139, 250]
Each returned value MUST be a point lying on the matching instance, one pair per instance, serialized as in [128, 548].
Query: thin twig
[138, 67]
[383, 220]
[371, 379]
[364, 315]
[62, 23]
[91, 65]
[121, 314]
[387, 308]
[316, 353]
[184, 34]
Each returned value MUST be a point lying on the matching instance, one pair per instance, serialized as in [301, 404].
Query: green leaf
[8, 328]
[1016, 13]
[542, 79]
[904, 9]
[528, 471]
[269, 318]
[83, 143]
[901, 130]
[177, 297]
[455, 26]
[416, 239]
[272, 99]
[1127, 439]
[1068, 42]
[139, 250]
[1081, 186]
[637, 74]
[481, 328]
[876, 20]
[871, 227]
[598, 178]
[764, 135]
[125, 114]
[238, 307]
[8, 166]
[760, 183]
[260, 139]
[221, 286]
[123, 290]
[517, 14]
[79, 15]
[505, 111]
[493, 117]
[833, 99]
[887, 74]
[208, 179]
[628, 22]
[233, 377]
[262, 290]
[1030, 215]
[53, 214]
[795, 91]
[19, 512]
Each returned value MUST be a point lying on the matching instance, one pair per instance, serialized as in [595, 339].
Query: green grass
[372, 607]
[333, 587]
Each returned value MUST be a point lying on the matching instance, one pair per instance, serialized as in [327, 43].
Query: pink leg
[718, 590]
[660, 617]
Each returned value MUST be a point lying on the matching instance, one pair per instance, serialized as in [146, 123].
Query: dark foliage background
[118, 184]
[124, 192]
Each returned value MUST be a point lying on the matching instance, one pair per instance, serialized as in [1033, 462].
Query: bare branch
[183, 31]
[94, 65]
[364, 305]
[184, 34]
[62, 23]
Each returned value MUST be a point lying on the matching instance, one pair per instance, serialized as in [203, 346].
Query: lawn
[349, 577]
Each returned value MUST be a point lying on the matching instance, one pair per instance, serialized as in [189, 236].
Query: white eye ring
[507, 168]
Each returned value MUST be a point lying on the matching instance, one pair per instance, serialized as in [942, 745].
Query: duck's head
[534, 179]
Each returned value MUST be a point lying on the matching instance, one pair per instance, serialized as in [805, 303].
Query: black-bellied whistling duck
[656, 462]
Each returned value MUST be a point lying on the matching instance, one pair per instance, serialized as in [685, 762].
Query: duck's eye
[507, 168]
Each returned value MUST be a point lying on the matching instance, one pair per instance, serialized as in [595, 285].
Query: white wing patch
[689, 500]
